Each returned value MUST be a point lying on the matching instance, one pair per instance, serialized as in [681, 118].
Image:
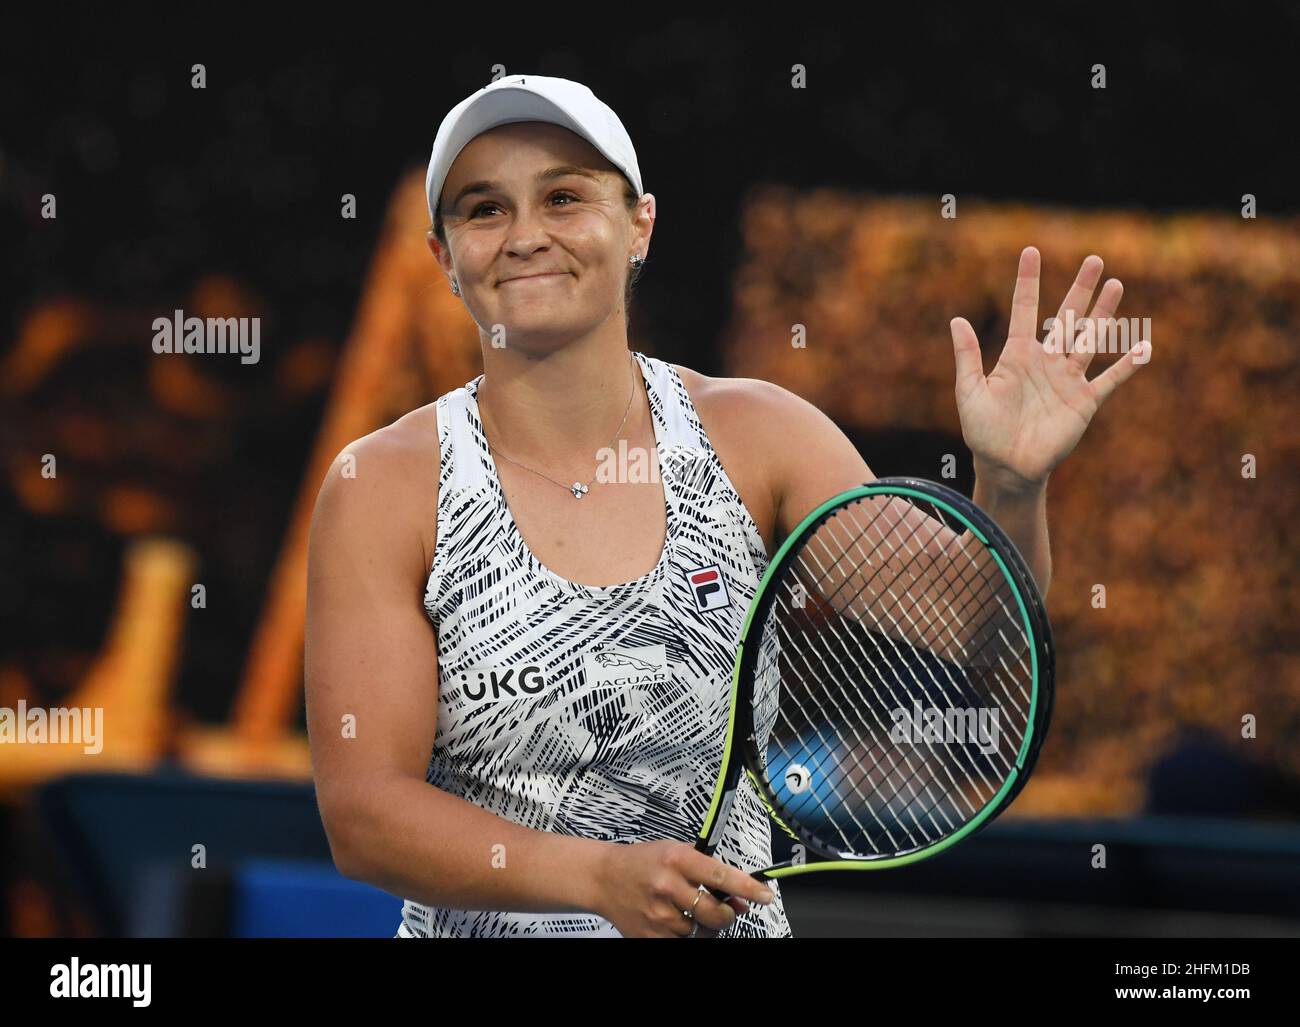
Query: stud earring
[636, 260]
[455, 287]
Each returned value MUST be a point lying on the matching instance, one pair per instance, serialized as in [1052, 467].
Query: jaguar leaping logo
[612, 659]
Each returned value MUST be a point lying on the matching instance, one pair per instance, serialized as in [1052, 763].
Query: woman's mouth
[536, 278]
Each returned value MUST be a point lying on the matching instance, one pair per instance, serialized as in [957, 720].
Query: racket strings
[1004, 608]
[969, 660]
[955, 615]
[847, 778]
[838, 744]
[860, 744]
[913, 771]
[857, 534]
[914, 807]
[949, 701]
[967, 594]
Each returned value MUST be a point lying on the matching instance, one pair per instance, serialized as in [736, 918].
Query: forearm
[417, 841]
[1023, 516]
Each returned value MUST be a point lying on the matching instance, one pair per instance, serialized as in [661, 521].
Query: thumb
[966, 352]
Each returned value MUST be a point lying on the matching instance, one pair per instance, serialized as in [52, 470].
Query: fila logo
[709, 588]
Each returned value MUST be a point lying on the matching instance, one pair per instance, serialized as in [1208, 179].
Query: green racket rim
[952, 502]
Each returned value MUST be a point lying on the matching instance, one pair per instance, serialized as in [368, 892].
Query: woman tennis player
[531, 749]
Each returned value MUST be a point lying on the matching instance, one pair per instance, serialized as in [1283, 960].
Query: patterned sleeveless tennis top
[592, 711]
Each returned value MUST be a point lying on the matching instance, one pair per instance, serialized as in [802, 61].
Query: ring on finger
[689, 914]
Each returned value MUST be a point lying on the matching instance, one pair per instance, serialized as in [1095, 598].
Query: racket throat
[720, 821]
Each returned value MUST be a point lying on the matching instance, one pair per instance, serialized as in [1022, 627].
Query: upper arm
[802, 456]
[371, 667]
[811, 458]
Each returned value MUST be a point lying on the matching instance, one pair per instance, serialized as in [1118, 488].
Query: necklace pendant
[578, 489]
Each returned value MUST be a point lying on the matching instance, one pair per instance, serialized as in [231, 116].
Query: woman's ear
[646, 217]
[439, 251]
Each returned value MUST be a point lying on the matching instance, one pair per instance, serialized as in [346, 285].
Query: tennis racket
[894, 681]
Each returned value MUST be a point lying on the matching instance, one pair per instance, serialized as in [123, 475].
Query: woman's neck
[559, 407]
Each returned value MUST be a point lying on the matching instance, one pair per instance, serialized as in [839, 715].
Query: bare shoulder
[386, 483]
[747, 407]
[747, 421]
[789, 453]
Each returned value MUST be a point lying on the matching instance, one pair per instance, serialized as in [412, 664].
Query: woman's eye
[555, 196]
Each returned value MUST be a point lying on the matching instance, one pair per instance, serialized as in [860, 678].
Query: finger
[671, 920]
[1094, 324]
[740, 906]
[716, 875]
[966, 352]
[1121, 371]
[1024, 301]
[682, 927]
[708, 911]
[1108, 300]
[1076, 301]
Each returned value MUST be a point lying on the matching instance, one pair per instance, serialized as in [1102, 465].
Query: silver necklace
[577, 488]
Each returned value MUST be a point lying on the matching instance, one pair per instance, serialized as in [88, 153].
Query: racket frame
[740, 721]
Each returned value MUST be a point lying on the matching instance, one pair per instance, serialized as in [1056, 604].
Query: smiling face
[539, 234]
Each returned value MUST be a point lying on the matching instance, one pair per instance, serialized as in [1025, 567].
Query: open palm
[1026, 416]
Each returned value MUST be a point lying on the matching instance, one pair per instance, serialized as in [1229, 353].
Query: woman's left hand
[1027, 415]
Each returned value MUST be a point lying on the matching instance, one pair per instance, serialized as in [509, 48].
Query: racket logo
[709, 588]
[797, 778]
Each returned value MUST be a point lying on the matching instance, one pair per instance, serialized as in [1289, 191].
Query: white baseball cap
[559, 101]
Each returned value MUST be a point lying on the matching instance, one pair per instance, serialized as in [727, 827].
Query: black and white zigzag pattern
[598, 712]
